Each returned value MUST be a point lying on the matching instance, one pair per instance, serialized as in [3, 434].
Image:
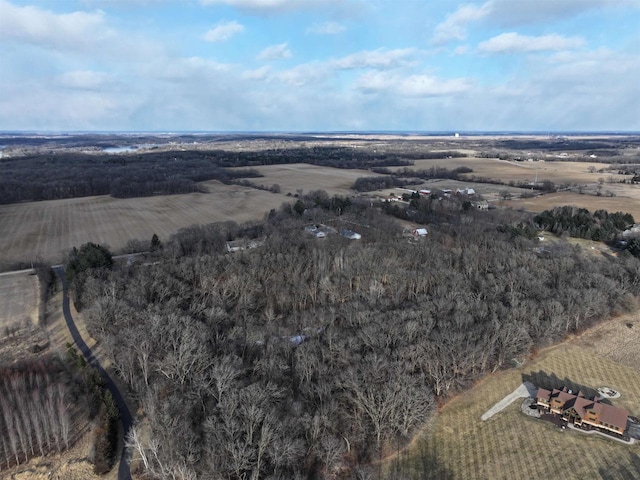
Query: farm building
[415, 233]
[582, 411]
[243, 244]
[425, 193]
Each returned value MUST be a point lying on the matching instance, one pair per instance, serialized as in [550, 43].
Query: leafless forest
[36, 418]
[307, 358]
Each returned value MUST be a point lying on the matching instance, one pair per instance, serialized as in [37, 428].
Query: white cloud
[512, 42]
[84, 80]
[326, 28]
[454, 26]
[223, 31]
[419, 85]
[258, 74]
[517, 12]
[76, 33]
[304, 74]
[379, 59]
[277, 6]
[275, 52]
[461, 50]
[509, 12]
[182, 69]
[50, 30]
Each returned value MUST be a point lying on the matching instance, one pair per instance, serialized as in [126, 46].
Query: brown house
[579, 410]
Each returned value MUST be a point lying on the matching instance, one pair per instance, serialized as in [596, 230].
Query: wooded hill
[306, 358]
[68, 175]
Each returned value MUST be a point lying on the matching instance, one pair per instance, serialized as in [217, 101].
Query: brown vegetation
[48, 229]
[511, 445]
[316, 357]
[590, 202]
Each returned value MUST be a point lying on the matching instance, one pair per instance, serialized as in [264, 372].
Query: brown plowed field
[590, 202]
[48, 229]
[291, 177]
[557, 172]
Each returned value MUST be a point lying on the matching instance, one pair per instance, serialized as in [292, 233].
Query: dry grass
[618, 340]
[590, 202]
[307, 177]
[19, 330]
[48, 229]
[19, 299]
[71, 464]
[513, 446]
[557, 172]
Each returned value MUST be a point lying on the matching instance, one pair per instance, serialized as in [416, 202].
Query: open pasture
[18, 300]
[48, 229]
[291, 177]
[590, 202]
[557, 172]
[513, 446]
[19, 329]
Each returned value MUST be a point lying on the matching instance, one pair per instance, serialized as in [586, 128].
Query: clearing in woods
[557, 172]
[19, 330]
[19, 298]
[48, 229]
[590, 202]
[291, 177]
[511, 445]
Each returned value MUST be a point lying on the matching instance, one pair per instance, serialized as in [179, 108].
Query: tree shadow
[549, 381]
[616, 470]
[421, 462]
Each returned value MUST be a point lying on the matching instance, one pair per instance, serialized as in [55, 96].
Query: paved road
[125, 416]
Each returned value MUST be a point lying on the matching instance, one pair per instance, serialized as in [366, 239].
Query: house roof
[543, 393]
[615, 416]
[563, 395]
[608, 414]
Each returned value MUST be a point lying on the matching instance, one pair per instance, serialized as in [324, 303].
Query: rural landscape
[319, 239]
[319, 306]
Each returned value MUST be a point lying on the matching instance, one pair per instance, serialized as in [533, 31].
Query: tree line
[308, 358]
[35, 418]
[579, 222]
[404, 176]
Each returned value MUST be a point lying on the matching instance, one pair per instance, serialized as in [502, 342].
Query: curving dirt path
[124, 472]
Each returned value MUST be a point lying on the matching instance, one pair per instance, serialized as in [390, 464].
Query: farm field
[557, 172]
[590, 202]
[19, 299]
[335, 181]
[48, 229]
[19, 329]
[511, 445]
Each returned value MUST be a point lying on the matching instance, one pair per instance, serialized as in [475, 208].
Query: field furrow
[48, 229]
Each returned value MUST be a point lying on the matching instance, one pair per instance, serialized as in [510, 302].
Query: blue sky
[320, 65]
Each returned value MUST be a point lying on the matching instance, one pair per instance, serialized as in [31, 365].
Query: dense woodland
[309, 359]
[66, 175]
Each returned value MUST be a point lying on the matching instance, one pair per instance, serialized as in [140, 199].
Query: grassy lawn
[511, 445]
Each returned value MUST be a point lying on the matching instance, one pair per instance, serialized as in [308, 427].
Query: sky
[320, 65]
